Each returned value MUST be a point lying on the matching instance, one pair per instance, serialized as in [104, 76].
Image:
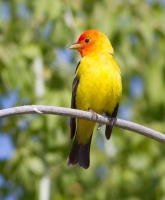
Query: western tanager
[96, 87]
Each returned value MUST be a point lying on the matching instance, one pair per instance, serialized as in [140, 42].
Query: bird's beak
[75, 46]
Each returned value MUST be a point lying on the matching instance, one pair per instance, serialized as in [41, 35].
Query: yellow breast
[100, 85]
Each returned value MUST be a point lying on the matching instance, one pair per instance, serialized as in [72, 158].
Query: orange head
[92, 42]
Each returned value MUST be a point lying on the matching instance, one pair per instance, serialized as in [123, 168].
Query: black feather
[73, 105]
[80, 153]
[84, 154]
[108, 129]
[74, 154]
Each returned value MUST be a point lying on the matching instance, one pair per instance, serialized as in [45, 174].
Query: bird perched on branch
[96, 88]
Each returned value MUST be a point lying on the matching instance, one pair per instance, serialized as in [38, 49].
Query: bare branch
[33, 109]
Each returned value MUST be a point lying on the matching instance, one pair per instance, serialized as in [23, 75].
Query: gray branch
[33, 109]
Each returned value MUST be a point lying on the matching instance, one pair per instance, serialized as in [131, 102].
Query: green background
[129, 166]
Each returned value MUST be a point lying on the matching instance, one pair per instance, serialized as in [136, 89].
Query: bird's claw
[111, 119]
[93, 115]
[101, 124]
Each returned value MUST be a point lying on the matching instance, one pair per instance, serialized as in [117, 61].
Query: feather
[108, 129]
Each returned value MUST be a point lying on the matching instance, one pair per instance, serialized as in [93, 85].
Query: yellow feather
[97, 86]
[99, 89]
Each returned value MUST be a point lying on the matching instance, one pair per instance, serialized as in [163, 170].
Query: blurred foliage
[129, 166]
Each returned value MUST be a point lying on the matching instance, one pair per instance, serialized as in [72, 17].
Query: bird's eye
[87, 40]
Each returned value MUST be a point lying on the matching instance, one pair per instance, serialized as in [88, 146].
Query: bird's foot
[110, 118]
[93, 114]
[108, 128]
[101, 124]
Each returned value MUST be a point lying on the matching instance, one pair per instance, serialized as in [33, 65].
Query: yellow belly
[99, 89]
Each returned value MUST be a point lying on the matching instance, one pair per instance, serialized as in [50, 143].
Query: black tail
[80, 153]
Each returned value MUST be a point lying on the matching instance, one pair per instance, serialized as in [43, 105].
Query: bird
[97, 88]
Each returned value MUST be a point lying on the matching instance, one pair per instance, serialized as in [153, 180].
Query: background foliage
[37, 68]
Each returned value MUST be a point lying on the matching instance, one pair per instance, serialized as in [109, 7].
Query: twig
[84, 115]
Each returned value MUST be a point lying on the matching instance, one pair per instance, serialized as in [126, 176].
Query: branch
[33, 109]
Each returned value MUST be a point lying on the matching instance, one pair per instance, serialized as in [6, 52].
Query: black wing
[108, 129]
[73, 104]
